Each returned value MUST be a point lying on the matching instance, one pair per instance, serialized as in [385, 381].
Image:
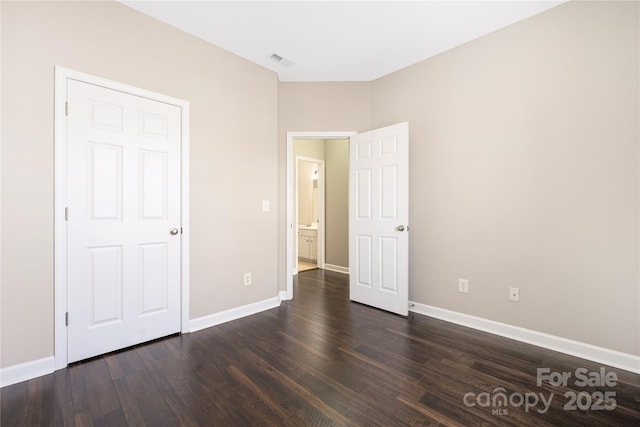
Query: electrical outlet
[514, 294]
[247, 279]
[463, 286]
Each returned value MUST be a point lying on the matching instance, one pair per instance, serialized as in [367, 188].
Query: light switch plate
[265, 206]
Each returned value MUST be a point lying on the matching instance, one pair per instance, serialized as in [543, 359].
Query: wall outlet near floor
[247, 279]
[463, 286]
[514, 294]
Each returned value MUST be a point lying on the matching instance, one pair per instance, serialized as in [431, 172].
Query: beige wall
[323, 106]
[524, 164]
[524, 172]
[230, 234]
[311, 148]
[337, 202]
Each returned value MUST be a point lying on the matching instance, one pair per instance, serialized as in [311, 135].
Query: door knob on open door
[400, 228]
[173, 231]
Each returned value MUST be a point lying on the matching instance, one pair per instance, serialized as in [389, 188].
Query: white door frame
[60, 238]
[290, 220]
[321, 211]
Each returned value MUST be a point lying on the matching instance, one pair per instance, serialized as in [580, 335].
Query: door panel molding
[108, 118]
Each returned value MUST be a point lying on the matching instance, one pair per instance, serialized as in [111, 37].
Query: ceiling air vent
[280, 60]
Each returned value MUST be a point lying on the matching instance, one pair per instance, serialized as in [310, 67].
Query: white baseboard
[336, 268]
[234, 313]
[591, 352]
[283, 296]
[36, 368]
[26, 371]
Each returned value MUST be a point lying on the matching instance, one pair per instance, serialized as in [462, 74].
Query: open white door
[379, 218]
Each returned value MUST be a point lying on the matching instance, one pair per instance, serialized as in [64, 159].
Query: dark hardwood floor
[322, 361]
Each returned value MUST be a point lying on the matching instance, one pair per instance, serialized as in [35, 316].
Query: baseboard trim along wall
[282, 295]
[233, 314]
[614, 358]
[26, 371]
[36, 368]
[336, 268]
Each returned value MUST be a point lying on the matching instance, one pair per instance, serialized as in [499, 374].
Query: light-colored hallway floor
[304, 266]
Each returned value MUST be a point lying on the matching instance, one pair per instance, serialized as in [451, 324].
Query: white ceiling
[339, 40]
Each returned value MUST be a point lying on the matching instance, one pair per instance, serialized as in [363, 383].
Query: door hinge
[66, 213]
[66, 319]
[180, 230]
[66, 108]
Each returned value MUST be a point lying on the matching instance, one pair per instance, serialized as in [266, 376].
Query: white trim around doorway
[60, 239]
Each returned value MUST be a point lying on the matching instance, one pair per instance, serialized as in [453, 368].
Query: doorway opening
[310, 210]
[330, 152]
